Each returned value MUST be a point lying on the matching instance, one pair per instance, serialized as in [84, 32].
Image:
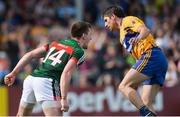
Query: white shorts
[36, 89]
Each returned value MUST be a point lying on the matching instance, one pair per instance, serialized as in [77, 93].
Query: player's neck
[75, 39]
[119, 21]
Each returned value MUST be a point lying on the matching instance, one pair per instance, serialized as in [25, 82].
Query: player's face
[109, 23]
[86, 40]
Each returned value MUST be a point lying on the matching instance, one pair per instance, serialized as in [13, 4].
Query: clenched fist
[9, 79]
[64, 105]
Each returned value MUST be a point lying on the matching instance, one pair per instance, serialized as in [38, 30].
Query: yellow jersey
[128, 29]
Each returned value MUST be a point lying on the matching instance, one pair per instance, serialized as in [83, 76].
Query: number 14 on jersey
[55, 57]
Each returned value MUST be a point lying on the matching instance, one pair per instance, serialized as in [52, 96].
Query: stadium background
[26, 24]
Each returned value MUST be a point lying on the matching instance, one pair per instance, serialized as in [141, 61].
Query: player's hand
[64, 105]
[133, 41]
[9, 79]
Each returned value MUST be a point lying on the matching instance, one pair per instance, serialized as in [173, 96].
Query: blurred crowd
[27, 24]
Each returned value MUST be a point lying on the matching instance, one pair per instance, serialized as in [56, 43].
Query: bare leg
[52, 111]
[131, 80]
[51, 108]
[25, 109]
[148, 95]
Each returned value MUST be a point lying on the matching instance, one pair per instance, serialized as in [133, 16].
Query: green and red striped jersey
[58, 54]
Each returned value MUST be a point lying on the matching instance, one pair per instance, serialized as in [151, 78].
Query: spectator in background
[83, 81]
[4, 66]
[113, 63]
[178, 69]
[65, 11]
[171, 78]
[90, 11]
[161, 42]
[89, 69]
[105, 80]
[35, 20]
[137, 9]
[12, 49]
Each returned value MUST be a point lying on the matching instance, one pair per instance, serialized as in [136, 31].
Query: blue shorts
[153, 64]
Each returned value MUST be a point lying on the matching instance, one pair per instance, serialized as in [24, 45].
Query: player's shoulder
[79, 50]
[130, 18]
[66, 42]
[71, 43]
[133, 20]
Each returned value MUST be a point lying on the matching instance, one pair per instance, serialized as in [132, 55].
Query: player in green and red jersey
[49, 83]
[59, 53]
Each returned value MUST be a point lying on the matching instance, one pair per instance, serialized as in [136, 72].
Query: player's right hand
[9, 79]
[64, 105]
[134, 41]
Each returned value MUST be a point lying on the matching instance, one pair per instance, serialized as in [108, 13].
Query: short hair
[79, 28]
[116, 10]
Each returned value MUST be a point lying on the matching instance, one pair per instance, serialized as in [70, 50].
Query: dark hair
[79, 28]
[116, 10]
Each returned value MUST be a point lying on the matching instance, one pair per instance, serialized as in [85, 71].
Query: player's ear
[113, 17]
[83, 36]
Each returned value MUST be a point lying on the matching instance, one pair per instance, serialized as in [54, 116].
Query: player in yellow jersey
[151, 65]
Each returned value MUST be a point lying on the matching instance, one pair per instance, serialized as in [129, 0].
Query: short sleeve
[132, 23]
[78, 56]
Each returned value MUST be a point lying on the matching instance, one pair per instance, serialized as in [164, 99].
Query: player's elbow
[144, 30]
[32, 54]
[66, 74]
[121, 87]
[147, 31]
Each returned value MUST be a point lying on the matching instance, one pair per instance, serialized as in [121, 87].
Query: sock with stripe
[145, 112]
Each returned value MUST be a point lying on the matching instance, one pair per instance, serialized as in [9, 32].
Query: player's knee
[122, 87]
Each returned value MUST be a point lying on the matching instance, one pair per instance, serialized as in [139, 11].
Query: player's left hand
[9, 79]
[133, 41]
[64, 105]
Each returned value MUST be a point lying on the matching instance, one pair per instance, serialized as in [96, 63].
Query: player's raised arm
[143, 33]
[65, 82]
[137, 26]
[36, 53]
